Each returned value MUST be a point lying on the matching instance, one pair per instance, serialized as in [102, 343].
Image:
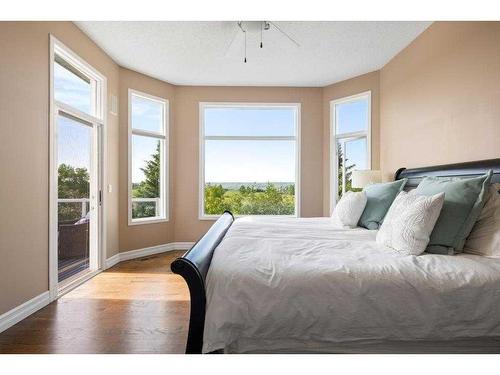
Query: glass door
[77, 94]
[77, 197]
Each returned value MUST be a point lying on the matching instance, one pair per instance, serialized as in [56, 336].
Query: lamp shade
[362, 178]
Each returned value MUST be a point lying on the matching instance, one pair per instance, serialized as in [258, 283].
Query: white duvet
[285, 284]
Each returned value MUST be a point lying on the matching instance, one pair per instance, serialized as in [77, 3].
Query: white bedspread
[284, 284]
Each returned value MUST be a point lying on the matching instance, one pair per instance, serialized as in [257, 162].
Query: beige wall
[186, 140]
[356, 85]
[24, 152]
[144, 235]
[440, 99]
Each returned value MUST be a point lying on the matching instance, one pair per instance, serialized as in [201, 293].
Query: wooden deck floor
[138, 306]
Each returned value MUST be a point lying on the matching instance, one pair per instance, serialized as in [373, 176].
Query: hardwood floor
[138, 306]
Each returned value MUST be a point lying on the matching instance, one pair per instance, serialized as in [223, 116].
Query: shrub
[250, 200]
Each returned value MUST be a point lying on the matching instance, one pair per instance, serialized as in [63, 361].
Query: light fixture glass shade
[362, 178]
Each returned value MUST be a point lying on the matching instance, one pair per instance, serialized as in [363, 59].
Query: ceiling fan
[256, 27]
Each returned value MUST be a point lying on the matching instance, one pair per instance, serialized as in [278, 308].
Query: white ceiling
[201, 53]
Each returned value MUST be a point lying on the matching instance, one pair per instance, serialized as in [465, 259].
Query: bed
[299, 285]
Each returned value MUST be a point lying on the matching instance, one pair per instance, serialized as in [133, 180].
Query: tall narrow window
[249, 159]
[148, 158]
[350, 141]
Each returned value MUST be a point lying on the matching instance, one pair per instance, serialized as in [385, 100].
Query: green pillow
[379, 199]
[463, 200]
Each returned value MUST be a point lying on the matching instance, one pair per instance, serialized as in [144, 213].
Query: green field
[272, 198]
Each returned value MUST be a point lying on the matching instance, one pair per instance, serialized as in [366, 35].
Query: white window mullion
[145, 133]
[343, 167]
[248, 138]
[161, 208]
[73, 112]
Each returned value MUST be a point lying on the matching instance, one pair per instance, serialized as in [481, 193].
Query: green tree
[250, 200]
[148, 188]
[290, 189]
[348, 172]
[214, 199]
[72, 183]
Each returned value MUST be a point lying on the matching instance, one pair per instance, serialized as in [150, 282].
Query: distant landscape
[250, 198]
[257, 185]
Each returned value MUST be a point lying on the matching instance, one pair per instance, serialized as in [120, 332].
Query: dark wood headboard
[468, 169]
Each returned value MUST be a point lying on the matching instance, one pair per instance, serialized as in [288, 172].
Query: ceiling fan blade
[235, 34]
[285, 34]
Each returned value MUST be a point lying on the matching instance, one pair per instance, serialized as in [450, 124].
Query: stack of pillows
[443, 215]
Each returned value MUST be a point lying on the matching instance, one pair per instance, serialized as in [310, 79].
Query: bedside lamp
[365, 177]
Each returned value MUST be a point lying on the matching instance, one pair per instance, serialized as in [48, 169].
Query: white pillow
[409, 222]
[349, 209]
[484, 239]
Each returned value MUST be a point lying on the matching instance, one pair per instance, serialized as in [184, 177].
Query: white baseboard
[20, 312]
[110, 262]
[139, 253]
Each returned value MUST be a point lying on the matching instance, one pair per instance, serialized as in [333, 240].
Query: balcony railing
[156, 202]
[82, 201]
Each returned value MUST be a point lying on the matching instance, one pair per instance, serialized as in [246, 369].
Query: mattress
[300, 285]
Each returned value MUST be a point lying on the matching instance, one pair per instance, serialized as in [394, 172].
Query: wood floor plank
[138, 306]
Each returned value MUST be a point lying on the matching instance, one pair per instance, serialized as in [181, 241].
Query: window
[350, 141]
[148, 158]
[73, 87]
[249, 159]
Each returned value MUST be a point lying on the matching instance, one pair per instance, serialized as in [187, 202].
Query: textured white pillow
[409, 222]
[484, 239]
[349, 209]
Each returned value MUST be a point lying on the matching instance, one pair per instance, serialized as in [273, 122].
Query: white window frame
[334, 138]
[99, 120]
[203, 138]
[164, 159]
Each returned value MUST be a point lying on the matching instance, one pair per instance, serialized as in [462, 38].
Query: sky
[74, 138]
[74, 142]
[250, 122]
[71, 89]
[352, 117]
[249, 161]
[355, 152]
[146, 115]
[225, 161]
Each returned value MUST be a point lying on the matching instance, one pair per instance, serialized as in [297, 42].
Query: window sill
[147, 221]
